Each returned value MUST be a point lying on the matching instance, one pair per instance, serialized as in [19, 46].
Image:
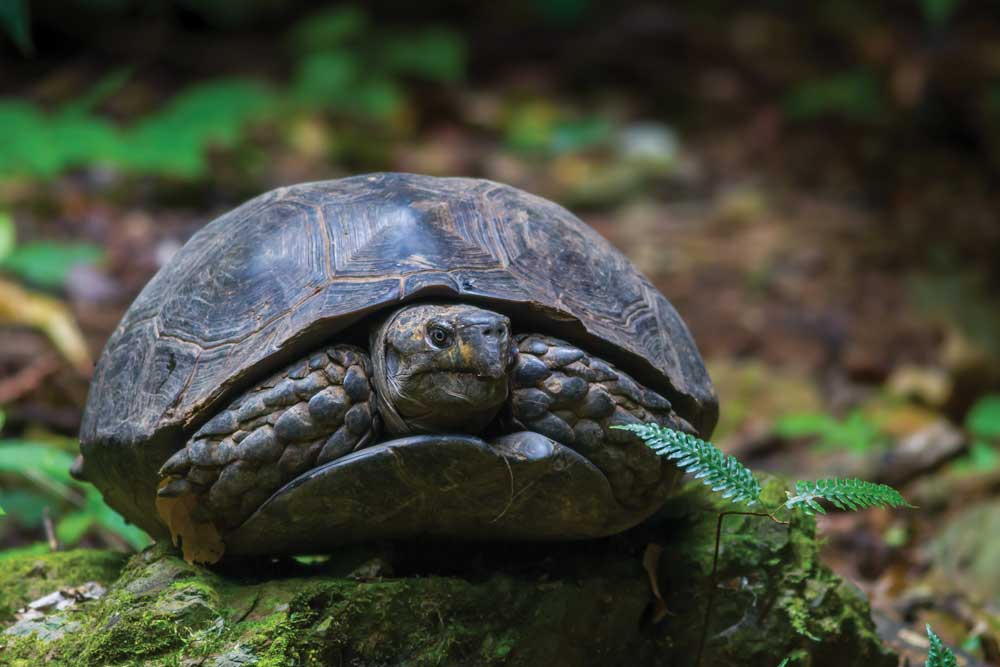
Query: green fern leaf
[701, 459]
[939, 655]
[844, 494]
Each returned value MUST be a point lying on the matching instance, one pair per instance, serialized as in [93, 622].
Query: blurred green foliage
[983, 426]
[8, 238]
[540, 126]
[172, 141]
[348, 65]
[48, 263]
[856, 432]
[43, 263]
[344, 65]
[937, 13]
[15, 21]
[37, 479]
[854, 96]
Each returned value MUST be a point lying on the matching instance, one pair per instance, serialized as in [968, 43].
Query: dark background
[811, 184]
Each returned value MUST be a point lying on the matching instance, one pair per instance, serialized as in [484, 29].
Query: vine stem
[714, 576]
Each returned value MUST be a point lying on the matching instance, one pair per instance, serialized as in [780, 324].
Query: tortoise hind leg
[311, 412]
[562, 392]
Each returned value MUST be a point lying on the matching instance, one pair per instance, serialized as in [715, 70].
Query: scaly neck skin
[441, 368]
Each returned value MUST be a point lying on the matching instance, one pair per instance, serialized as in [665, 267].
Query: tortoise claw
[178, 464]
[176, 488]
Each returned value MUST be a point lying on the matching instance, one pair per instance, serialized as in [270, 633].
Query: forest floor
[842, 296]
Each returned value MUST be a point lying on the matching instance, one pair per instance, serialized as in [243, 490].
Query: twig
[50, 531]
[27, 379]
[713, 577]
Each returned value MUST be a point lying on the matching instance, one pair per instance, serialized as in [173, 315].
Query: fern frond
[701, 459]
[939, 655]
[845, 494]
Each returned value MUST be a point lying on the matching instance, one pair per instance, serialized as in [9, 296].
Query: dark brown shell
[285, 272]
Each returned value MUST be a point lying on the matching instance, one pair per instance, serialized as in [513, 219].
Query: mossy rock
[447, 604]
[29, 577]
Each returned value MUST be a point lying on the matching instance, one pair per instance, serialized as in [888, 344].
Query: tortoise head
[441, 367]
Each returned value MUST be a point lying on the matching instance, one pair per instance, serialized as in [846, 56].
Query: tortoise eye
[439, 336]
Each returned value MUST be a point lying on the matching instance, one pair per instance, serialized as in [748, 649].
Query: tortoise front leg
[564, 393]
[311, 412]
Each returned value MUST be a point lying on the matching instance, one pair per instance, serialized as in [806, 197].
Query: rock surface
[552, 605]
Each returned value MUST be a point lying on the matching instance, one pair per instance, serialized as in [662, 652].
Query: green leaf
[855, 432]
[844, 494]
[174, 140]
[327, 29]
[327, 78]
[939, 655]
[563, 13]
[73, 526]
[854, 96]
[701, 459]
[25, 506]
[981, 457]
[99, 92]
[112, 521]
[379, 98]
[47, 263]
[983, 419]
[435, 54]
[25, 456]
[937, 13]
[571, 136]
[46, 467]
[16, 22]
[8, 239]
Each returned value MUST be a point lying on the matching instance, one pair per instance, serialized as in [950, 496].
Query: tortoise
[390, 356]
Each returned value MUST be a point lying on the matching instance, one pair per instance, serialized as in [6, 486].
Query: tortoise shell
[287, 271]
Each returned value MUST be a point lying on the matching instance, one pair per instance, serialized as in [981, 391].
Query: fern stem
[714, 575]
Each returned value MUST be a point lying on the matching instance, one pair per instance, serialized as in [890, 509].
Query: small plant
[343, 65]
[854, 96]
[844, 494]
[939, 655]
[39, 471]
[726, 475]
[703, 460]
[983, 427]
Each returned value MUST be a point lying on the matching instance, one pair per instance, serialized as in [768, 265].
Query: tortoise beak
[484, 344]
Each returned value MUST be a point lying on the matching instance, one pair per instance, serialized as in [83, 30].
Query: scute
[280, 275]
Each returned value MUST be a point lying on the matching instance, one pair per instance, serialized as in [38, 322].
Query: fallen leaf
[24, 307]
[200, 542]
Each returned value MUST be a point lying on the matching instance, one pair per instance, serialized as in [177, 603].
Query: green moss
[556, 605]
[774, 597]
[30, 577]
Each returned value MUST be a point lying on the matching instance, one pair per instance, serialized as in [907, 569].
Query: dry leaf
[200, 542]
[650, 563]
[50, 316]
